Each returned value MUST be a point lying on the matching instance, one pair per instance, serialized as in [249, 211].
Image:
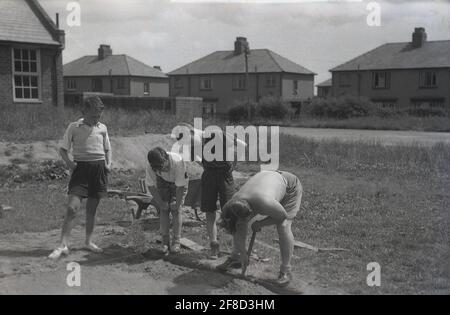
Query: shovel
[249, 253]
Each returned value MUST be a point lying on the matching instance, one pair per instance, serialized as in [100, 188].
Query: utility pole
[247, 82]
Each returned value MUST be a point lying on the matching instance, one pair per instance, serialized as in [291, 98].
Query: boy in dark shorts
[91, 150]
[274, 194]
[217, 178]
[167, 181]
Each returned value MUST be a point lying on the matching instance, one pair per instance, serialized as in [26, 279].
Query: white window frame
[147, 88]
[71, 85]
[30, 74]
[381, 75]
[205, 83]
[240, 82]
[271, 80]
[178, 82]
[423, 78]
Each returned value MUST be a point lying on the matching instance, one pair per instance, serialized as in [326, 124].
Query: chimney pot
[241, 46]
[104, 51]
[419, 37]
[157, 68]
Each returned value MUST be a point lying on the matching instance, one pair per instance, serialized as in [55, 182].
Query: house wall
[51, 80]
[404, 85]
[158, 87]
[227, 97]
[305, 86]
[133, 86]
[84, 84]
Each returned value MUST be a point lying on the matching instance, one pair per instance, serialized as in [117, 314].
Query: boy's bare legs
[286, 250]
[91, 211]
[211, 227]
[71, 213]
[164, 226]
[177, 223]
[72, 208]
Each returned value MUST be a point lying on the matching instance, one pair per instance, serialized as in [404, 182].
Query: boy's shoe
[230, 263]
[56, 254]
[175, 248]
[165, 249]
[93, 248]
[215, 250]
[284, 278]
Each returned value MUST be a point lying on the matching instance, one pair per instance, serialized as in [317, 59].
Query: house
[399, 75]
[324, 89]
[31, 46]
[220, 78]
[114, 74]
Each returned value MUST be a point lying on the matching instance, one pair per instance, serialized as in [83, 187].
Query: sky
[316, 34]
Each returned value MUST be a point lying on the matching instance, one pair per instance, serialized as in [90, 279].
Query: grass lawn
[384, 204]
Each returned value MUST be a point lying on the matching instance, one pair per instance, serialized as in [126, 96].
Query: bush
[425, 112]
[272, 108]
[340, 107]
[238, 113]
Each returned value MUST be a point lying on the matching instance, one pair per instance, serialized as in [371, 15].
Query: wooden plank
[191, 245]
[317, 249]
[6, 208]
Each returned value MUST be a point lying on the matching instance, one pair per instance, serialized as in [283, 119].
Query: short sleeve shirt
[88, 143]
[177, 172]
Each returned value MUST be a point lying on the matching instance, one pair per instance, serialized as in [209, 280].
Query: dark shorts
[167, 190]
[293, 197]
[217, 183]
[89, 180]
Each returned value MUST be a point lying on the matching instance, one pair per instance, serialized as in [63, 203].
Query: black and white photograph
[230, 149]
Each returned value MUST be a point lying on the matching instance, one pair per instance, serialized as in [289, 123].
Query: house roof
[325, 83]
[432, 54]
[119, 65]
[25, 21]
[260, 60]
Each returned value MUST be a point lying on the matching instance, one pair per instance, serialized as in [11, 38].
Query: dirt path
[24, 269]
[385, 137]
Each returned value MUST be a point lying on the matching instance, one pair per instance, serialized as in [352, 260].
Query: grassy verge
[28, 123]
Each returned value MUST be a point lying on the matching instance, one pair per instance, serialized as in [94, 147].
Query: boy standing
[167, 181]
[91, 150]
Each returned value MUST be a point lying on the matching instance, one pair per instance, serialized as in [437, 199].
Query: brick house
[114, 74]
[220, 78]
[31, 48]
[399, 75]
[324, 89]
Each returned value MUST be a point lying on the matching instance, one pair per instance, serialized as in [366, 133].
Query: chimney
[419, 37]
[104, 51]
[157, 68]
[241, 45]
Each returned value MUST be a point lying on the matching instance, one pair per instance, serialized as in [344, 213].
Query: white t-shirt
[177, 172]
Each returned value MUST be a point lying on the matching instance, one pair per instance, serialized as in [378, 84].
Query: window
[26, 74]
[146, 88]
[427, 79]
[344, 79]
[121, 83]
[178, 83]
[97, 85]
[239, 82]
[205, 83]
[295, 87]
[271, 80]
[380, 80]
[71, 84]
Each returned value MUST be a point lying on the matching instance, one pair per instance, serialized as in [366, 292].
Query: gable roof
[25, 21]
[119, 65]
[260, 60]
[432, 54]
[325, 83]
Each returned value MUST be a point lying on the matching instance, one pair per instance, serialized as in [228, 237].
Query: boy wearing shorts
[91, 150]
